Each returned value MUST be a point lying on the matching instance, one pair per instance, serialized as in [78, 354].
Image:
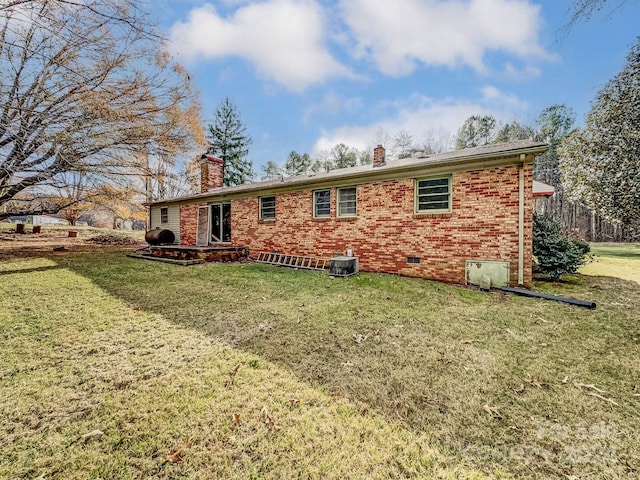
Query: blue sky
[307, 74]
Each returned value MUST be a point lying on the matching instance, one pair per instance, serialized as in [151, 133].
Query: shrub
[555, 252]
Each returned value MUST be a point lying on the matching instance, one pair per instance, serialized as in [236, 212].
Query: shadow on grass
[29, 270]
[434, 357]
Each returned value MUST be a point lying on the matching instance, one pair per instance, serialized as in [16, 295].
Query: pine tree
[600, 164]
[230, 141]
[343, 156]
[297, 164]
[476, 131]
[271, 170]
[553, 124]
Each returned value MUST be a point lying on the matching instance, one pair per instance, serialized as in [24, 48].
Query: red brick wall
[483, 224]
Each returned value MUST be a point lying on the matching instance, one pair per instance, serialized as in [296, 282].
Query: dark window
[433, 195]
[267, 208]
[413, 259]
[322, 203]
[164, 215]
[347, 202]
[221, 222]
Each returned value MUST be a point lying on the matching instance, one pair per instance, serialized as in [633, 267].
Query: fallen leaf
[176, 455]
[493, 411]
[293, 401]
[534, 382]
[94, 434]
[271, 423]
[236, 419]
[359, 338]
[565, 379]
[520, 389]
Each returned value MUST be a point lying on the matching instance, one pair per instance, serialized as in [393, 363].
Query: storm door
[202, 233]
[221, 222]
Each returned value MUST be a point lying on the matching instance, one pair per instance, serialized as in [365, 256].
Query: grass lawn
[620, 260]
[252, 371]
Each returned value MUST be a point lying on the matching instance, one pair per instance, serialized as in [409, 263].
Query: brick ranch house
[429, 216]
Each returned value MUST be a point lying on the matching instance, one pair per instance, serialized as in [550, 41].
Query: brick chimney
[211, 172]
[379, 156]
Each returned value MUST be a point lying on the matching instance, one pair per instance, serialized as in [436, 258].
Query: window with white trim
[268, 208]
[164, 215]
[322, 203]
[433, 195]
[347, 202]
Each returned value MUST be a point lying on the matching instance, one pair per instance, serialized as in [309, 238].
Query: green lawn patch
[620, 260]
[372, 376]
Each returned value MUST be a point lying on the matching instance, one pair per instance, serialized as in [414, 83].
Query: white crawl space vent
[479, 271]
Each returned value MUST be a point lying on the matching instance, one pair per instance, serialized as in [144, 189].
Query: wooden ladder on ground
[294, 261]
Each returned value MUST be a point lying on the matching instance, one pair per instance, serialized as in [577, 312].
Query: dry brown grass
[28, 244]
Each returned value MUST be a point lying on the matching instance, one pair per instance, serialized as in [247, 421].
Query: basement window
[347, 202]
[164, 215]
[268, 208]
[433, 195]
[413, 259]
[322, 203]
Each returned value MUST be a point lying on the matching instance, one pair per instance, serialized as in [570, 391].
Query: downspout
[521, 220]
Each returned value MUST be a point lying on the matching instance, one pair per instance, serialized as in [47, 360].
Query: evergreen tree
[230, 141]
[365, 157]
[556, 253]
[600, 164]
[553, 124]
[343, 156]
[476, 131]
[271, 170]
[510, 132]
[297, 164]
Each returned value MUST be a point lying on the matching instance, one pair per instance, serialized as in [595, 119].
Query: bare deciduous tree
[84, 87]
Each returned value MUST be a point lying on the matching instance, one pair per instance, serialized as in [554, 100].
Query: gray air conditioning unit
[343, 266]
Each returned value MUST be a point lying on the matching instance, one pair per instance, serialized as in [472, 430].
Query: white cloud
[332, 104]
[424, 117]
[283, 39]
[511, 72]
[399, 35]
